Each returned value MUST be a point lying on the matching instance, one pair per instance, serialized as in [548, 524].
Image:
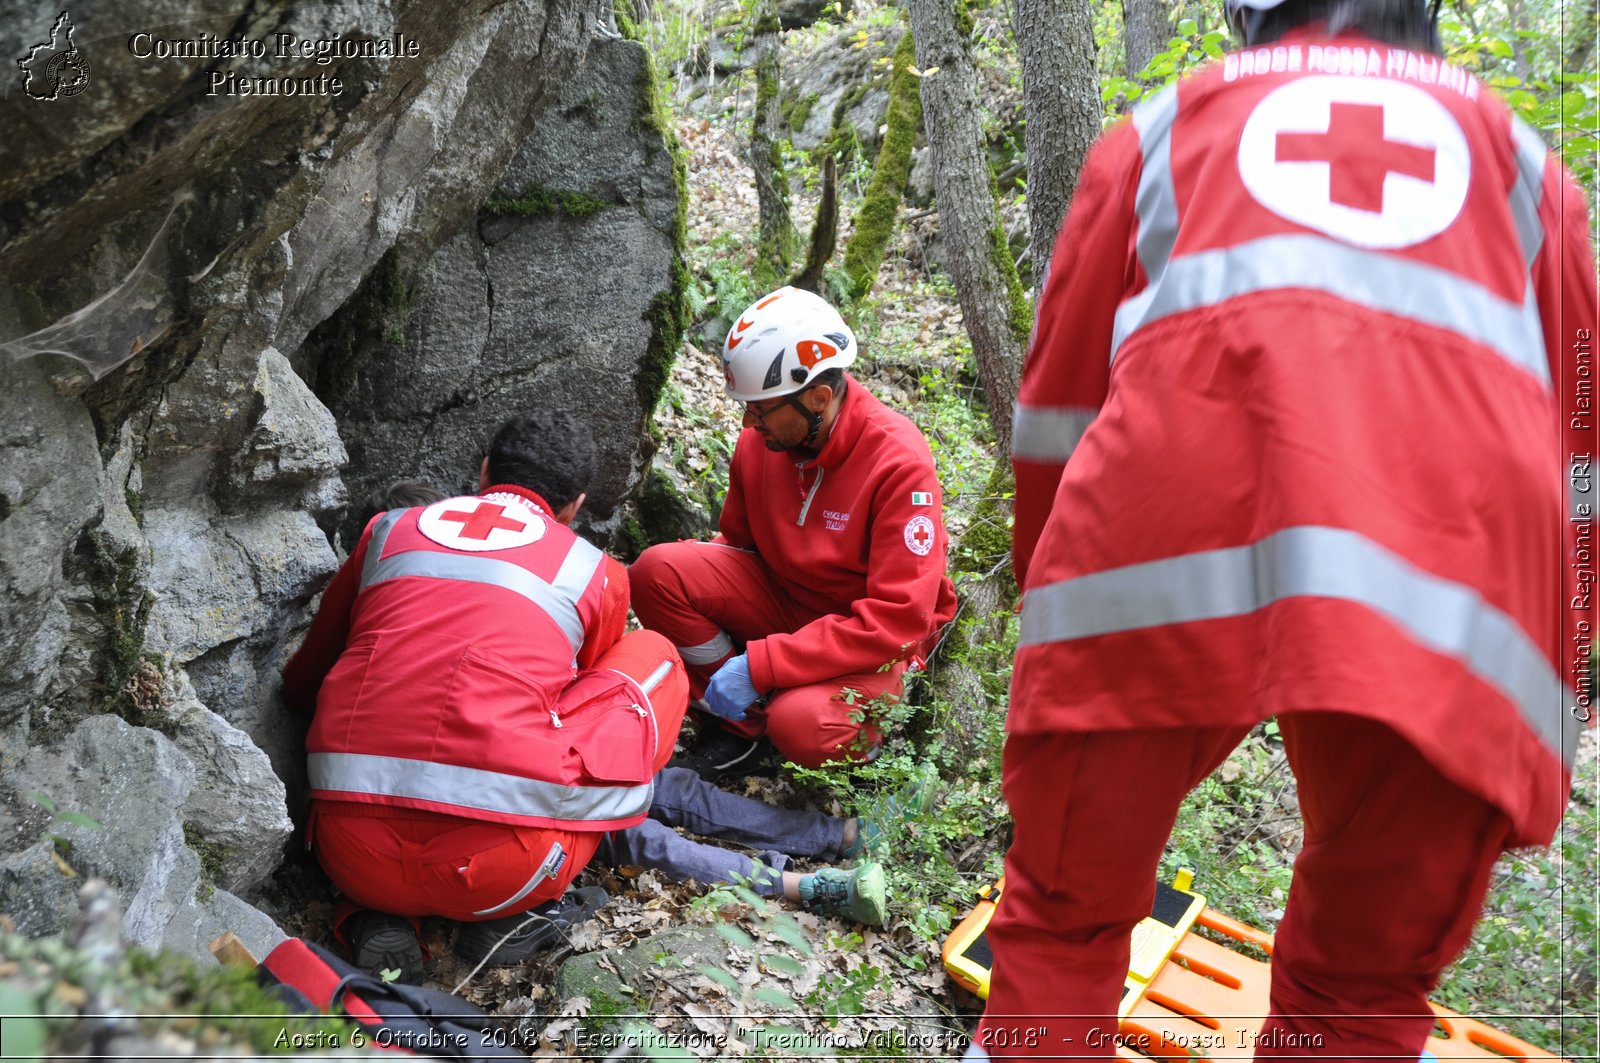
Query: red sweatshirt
[856, 534]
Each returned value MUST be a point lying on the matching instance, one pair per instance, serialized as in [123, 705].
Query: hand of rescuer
[730, 691]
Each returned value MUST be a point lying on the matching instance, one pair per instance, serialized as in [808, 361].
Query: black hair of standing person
[1403, 23]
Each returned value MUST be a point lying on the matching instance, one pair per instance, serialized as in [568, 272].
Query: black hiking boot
[382, 942]
[722, 755]
[514, 939]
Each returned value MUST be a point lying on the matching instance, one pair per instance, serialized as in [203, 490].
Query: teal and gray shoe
[857, 894]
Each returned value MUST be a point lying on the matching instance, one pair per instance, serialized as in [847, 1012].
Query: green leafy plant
[63, 844]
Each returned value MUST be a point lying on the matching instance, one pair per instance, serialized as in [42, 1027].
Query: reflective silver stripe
[1528, 189]
[1447, 617]
[654, 679]
[1377, 281]
[1048, 433]
[707, 652]
[577, 569]
[1156, 202]
[473, 788]
[379, 536]
[475, 568]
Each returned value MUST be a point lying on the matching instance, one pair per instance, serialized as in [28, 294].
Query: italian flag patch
[922, 498]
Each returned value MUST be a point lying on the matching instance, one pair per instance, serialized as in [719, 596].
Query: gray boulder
[135, 784]
[561, 296]
[839, 86]
[188, 279]
[238, 808]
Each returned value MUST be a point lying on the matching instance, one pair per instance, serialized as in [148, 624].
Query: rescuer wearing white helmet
[778, 349]
[836, 579]
[1286, 446]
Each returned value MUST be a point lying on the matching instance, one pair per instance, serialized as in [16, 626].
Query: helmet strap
[813, 419]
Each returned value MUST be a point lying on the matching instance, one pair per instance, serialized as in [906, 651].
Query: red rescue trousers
[1392, 876]
[409, 862]
[711, 599]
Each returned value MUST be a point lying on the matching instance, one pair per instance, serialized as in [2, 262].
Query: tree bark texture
[993, 306]
[824, 232]
[775, 252]
[880, 206]
[1146, 29]
[1061, 101]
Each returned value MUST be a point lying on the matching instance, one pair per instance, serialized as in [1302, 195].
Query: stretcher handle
[1212, 919]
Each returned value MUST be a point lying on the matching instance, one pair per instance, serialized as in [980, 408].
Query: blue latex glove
[730, 691]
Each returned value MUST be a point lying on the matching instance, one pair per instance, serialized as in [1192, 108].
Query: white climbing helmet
[782, 342]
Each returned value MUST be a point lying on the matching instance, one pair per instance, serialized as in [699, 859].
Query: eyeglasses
[761, 414]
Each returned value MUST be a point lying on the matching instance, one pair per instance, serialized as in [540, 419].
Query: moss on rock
[536, 199]
[668, 313]
[880, 207]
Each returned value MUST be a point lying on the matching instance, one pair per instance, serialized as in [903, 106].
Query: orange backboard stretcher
[1209, 996]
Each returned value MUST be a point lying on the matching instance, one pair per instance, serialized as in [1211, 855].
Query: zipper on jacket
[806, 507]
[555, 720]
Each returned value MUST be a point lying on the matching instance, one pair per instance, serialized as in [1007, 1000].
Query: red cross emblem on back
[1358, 155]
[484, 520]
[480, 525]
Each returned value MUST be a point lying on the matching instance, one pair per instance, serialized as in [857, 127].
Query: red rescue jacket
[453, 631]
[1288, 435]
[856, 534]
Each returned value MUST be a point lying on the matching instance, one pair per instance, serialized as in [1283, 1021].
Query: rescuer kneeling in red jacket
[483, 726]
[829, 572]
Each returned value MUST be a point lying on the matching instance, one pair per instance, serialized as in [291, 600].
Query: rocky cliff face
[221, 315]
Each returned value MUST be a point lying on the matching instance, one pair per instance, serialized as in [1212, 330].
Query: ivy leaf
[721, 977]
[776, 998]
[783, 965]
[735, 935]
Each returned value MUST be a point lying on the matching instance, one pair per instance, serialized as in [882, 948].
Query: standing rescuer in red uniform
[1289, 442]
[829, 572]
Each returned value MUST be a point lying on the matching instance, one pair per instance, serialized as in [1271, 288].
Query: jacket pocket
[607, 727]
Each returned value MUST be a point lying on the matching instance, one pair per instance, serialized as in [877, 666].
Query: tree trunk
[1146, 29]
[1518, 17]
[1583, 41]
[993, 305]
[824, 232]
[880, 207]
[775, 252]
[970, 671]
[1061, 100]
